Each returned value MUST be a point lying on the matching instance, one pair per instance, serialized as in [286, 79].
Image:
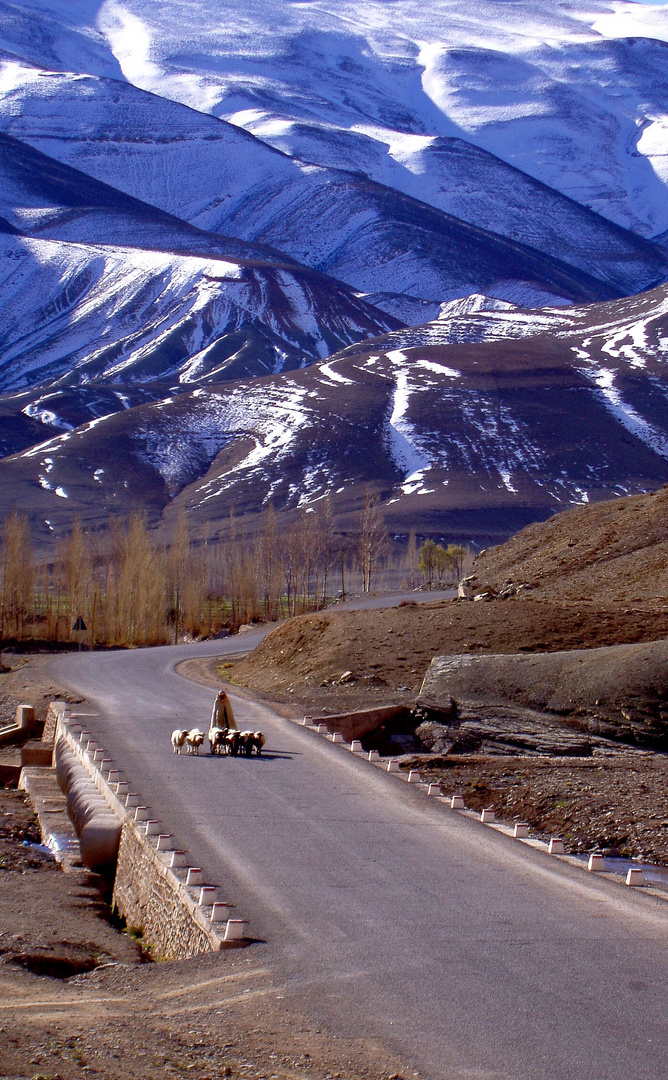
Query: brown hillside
[614, 550]
[597, 575]
[387, 652]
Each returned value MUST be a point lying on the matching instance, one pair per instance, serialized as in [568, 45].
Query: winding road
[399, 921]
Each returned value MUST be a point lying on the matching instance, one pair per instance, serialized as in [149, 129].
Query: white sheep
[178, 740]
[231, 741]
[217, 739]
[258, 741]
[194, 740]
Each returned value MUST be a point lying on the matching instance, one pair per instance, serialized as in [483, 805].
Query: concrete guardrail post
[635, 876]
[235, 930]
[25, 716]
[596, 864]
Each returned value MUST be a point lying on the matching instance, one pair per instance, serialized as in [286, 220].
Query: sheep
[232, 742]
[217, 739]
[194, 740]
[178, 740]
[249, 741]
[246, 742]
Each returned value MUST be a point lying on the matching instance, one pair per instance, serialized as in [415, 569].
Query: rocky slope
[467, 439]
[615, 550]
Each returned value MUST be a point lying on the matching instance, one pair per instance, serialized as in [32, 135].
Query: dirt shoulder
[24, 677]
[614, 805]
[387, 652]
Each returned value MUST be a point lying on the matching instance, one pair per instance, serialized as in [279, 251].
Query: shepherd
[221, 714]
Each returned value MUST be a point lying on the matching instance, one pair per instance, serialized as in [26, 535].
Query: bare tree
[372, 538]
[18, 573]
[326, 542]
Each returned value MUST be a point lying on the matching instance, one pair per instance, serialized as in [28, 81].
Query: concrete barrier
[235, 930]
[152, 827]
[178, 860]
[374, 755]
[414, 777]
[356, 746]
[434, 789]
[635, 876]
[34, 754]
[98, 828]
[25, 717]
[521, 830]
[194, 876]
[207, 895]
[488, 817]
[596, 864]
[99, 842]
[220, 912]
[336, 737]
[164, 842]
[354, 725]
[557, 846]
[457, 802]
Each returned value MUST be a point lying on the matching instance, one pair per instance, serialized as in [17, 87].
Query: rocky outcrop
[619, 692]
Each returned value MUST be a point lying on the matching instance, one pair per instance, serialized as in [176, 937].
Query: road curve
[400, 921]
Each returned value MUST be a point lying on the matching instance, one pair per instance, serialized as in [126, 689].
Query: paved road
[398, 920]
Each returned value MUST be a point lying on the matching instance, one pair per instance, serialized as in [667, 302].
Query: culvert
[96, 825]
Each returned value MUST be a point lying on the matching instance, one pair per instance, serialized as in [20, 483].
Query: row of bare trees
[121, 586]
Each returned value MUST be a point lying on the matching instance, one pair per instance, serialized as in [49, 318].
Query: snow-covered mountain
[377, 238]
[468, 438]
[573, 93]
[200, 203]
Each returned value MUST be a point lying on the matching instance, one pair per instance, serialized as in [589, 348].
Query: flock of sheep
[221, 741]
[223, 735]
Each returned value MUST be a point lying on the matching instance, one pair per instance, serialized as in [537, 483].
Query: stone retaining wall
[147, 892]
[147, 898]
